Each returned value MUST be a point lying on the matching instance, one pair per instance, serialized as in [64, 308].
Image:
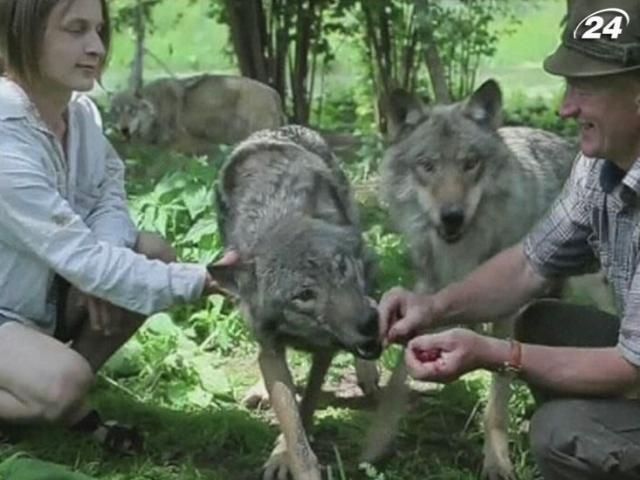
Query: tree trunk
[244, 23]
[281, 23]
[271, 48]
[300, 67]
[137, 64]
[437, 74]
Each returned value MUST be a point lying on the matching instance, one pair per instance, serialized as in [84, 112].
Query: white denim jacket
[69, 216]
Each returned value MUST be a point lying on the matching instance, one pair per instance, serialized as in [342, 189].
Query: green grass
[438, 440]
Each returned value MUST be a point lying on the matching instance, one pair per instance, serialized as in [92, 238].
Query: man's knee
[558, 426]
[577, 438]
[64, 390]
[155, 247]
[546, 433]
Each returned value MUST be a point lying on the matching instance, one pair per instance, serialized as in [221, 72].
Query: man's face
[72, 52]
[607, 113]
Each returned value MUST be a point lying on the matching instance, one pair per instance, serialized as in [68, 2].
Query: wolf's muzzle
[371, 347]
[451, 223]
[369, 350]
[126, 133]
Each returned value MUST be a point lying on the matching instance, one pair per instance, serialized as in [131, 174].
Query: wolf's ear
[401, 109]
[230, 277]
[485, 105]
[325, 202]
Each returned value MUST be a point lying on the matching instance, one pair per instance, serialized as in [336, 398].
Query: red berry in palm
[427, 355]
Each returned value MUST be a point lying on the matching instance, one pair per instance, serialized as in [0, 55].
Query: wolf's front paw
[277, 467]
[497, 467]
[378, 446]
[257, 397]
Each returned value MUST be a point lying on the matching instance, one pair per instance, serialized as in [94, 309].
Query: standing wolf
[460, 189]
[193, 114]
[285, 206]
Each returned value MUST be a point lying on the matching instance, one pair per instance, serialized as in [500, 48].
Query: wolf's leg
[393, 404]
[497, 465]
[258, 397]
[319, 366]
[368, 376]
[292, 453]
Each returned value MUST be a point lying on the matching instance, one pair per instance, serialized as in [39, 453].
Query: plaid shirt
[596, 223]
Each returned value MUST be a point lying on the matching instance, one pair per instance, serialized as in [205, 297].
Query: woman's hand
[229, 259]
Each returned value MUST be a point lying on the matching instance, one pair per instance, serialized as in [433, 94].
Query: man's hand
[229, 259]
[445, 356]
[403, 314]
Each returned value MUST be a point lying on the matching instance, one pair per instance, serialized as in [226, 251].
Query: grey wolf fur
[460, 189]
[286, 207]
[192, 114]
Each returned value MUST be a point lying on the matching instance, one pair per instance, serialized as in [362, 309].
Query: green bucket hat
[601, 37]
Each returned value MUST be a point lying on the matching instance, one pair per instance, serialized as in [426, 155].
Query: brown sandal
[115, 437]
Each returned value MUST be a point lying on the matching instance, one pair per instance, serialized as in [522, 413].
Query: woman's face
[72, 51]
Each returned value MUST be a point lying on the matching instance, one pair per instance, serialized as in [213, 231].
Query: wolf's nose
[369, 350]
[452, 218]
[370, 328]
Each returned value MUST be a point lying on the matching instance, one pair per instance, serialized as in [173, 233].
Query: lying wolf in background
[460, 189]
[193, 114]
[286, 207]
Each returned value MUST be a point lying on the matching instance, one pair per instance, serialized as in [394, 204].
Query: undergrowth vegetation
[182, 377]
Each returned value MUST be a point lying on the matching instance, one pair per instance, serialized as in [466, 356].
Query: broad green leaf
[196, 201]
[202, 228]
[161, 324]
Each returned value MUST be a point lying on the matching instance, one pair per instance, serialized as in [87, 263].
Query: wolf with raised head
[460, 189]
[193, 114]
[304, 275]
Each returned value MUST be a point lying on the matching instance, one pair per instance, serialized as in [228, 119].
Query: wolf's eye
[306, 295]
[426, 166]
[304, 300]
[470, 164]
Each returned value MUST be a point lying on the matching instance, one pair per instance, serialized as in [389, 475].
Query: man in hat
[581, 363]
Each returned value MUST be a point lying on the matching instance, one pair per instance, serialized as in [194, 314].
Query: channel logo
[607, 23]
